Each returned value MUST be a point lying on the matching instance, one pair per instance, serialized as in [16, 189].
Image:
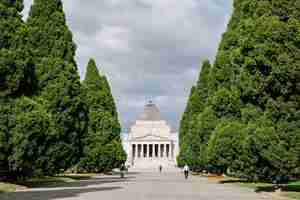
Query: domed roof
[151, 113]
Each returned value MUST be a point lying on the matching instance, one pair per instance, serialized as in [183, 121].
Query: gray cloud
[149, 49]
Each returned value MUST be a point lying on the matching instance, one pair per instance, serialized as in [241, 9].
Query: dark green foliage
[224, 146]
[186, 118]
[99, 95]
[16, 77]
[49, 34]
[58, 81]
[26, 133]
[225, 103]
[103, 158]
[103, 149]
[104, 126]
[254, 93]
[192, 144]
[43, 112]
[258, 57]
[11, 23]
[271, 151]
[60, 95]
[7, 122]
[31, 138]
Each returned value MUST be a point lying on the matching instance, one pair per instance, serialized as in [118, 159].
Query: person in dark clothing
[186, 170]
[122, 171]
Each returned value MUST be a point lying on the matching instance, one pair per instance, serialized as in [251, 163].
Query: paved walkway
[140, 186]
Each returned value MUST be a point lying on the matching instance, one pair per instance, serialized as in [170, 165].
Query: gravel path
[141, 186]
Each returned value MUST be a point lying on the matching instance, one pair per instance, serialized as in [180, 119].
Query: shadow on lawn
[77, 182]
[52, 194]
[232, 181]
[284, 188]
[268, 187]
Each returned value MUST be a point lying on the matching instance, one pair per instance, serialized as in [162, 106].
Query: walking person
[122, 170]
[160, 168]
[186, 170]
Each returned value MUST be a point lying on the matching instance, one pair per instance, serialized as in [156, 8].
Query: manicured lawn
[292, 195]
[46, 182]
[7, 187]
[56, 181]
[291, 190]
[77, 176]
[295, 183]
[255, 185]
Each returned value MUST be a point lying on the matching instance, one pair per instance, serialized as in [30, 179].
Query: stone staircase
[152, 165]
[151, 170]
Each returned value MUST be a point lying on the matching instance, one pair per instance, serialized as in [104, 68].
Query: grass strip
[7, 187]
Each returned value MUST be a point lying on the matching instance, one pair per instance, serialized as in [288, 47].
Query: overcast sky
[149, 49]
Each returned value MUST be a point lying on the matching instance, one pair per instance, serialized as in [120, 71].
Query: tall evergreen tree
[6, 124]
[190, 137]
[20, 116]
[103, 98]
[15, 62]
[49, 34]
[58, 81]
[186, 117]
[258, 63]
[10, 73]
[103, 149]
[32, 136]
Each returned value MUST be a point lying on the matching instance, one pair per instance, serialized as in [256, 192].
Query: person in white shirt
[186, 170]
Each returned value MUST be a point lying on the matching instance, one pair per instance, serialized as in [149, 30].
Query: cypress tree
[19, 114]
[260, 51]
[6, 124]
[32, 136]
[99, 84]
[190, 137]
[184, 127]
[58, 81]
[103, 149]
[109, 105]
[10, 73]
[258, 64]
[49, 33]
[10, 23]
[16, 67]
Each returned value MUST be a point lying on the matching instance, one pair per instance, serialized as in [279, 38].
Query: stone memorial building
[150, 141]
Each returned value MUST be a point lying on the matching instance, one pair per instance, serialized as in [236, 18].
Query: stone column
[139, 151]
[172, 150]
[167, 155]
[148, 150]
[158, 151]
[132, 151]
[142, 151]
[166, 150]
[130, 154]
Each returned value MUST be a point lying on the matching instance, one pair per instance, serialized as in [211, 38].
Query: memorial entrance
[150, 142]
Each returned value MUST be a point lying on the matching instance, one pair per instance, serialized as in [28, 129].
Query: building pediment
[150, 137]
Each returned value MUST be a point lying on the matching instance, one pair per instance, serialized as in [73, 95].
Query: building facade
[150, 141]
